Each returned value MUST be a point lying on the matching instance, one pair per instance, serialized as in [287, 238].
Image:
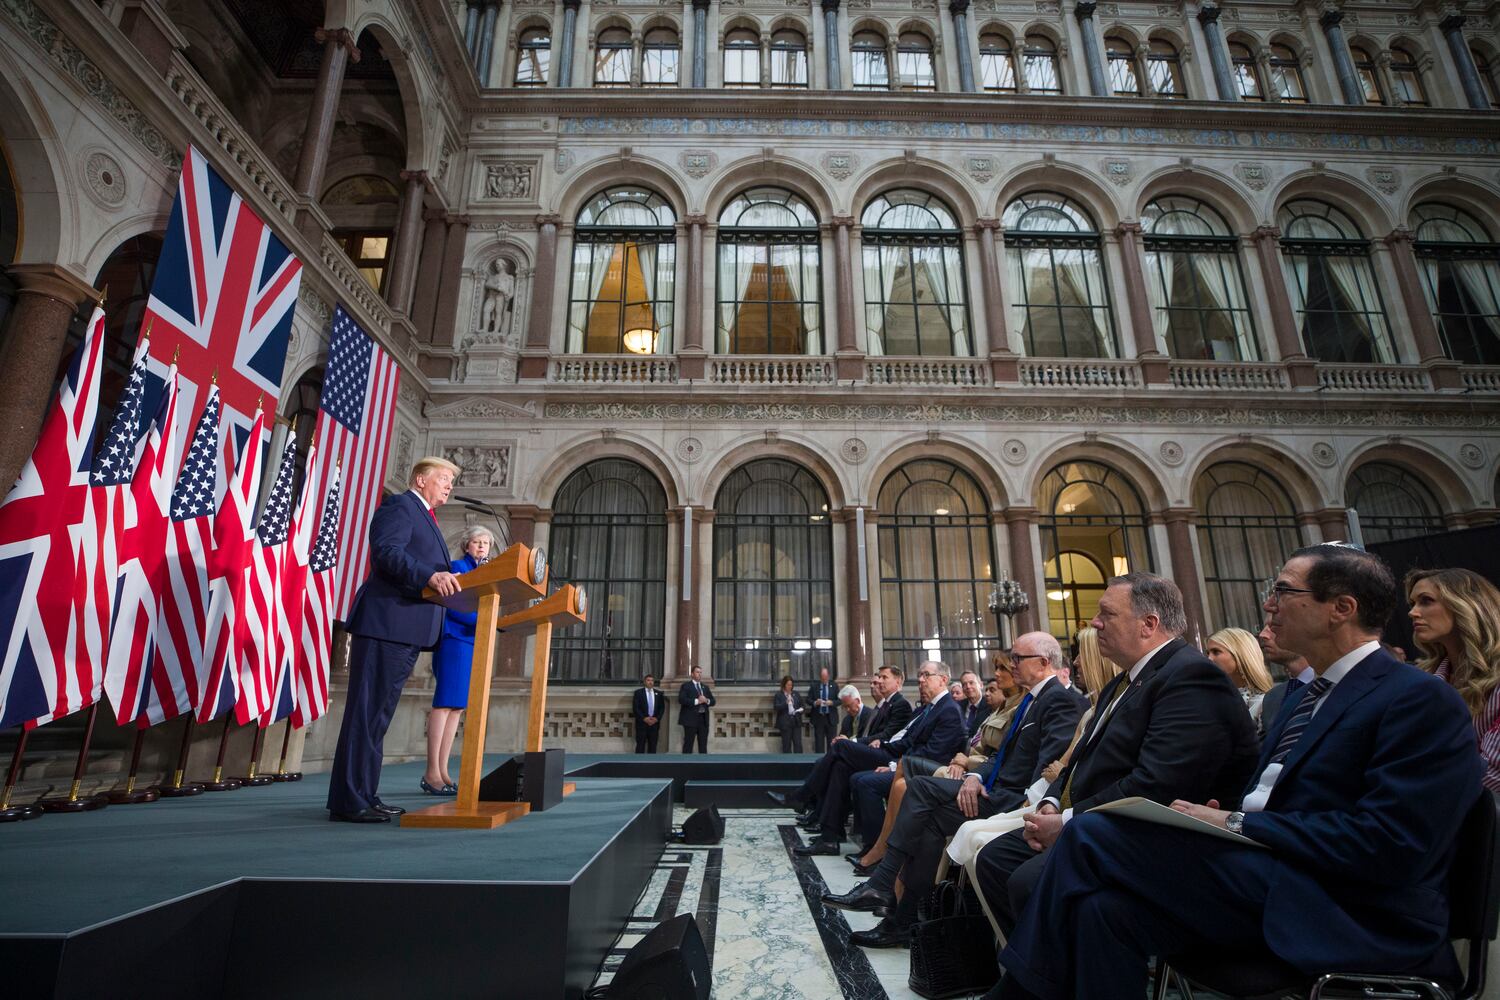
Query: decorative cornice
[1208, 14]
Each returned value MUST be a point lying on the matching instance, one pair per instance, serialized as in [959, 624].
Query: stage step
[745, 793]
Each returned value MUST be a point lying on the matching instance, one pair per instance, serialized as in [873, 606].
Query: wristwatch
[1235, 823]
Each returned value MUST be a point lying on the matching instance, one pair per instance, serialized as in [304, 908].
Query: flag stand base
[178, 788]
[287, 776]
[181, 790]
[76, 803]
[281, 773]
[8, 812]
[16, 814]
[251, 778]
[131, 795]
[219, 782]
[256, 780]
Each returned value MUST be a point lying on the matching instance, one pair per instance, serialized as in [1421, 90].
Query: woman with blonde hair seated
[1236, 652]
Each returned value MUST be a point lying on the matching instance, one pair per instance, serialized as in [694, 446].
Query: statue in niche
[499, 298]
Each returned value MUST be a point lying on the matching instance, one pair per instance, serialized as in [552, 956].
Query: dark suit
[936, 732]
[695, 719]
[854, 728]
[1360, 824]
[1179, 731]
[788, 720]
[822, 717]
[646, 736]
[973, 716]
[391, 624]
[884, 722]
[1271, 704]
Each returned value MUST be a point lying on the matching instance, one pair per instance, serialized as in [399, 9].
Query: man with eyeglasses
[1299, 673]
[1355, 804]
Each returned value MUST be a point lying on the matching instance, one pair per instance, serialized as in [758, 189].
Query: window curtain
[1351, 277]
[954, 296]
[1163, 265]
[933, 266]
[784, 267]
[880, 272]
[810, 287]
[590, 269]
[738, 262]
[1020, 292]
[1214, 293]
[1296, 269]
[1480, 279]
[1079, 272]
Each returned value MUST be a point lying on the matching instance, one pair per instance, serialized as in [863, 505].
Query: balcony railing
[601, 369]
[1372, 378]
[750, 370]
[1093, 374]
[927, 371]
[1477, 379]
[1236, 376]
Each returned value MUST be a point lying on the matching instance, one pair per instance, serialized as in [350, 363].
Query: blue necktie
[1301, 716]
[1294, 685]
[1010, 734]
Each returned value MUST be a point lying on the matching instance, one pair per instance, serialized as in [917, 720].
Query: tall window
[914, 62]
[1039, 63]
[936, 568]
[661, 57]
[871, 69]
[609, 535]
[533, 57]
[914, 276]
[1406, 77]
[768, 275]
[1124, 71]
[1164, 65]
[997, 64]
[742, 58]
[612, 54]
[1392, 503]
[1059, 300]
[1246, 72]
[1327, 264]
[1369, 76]
[1193, 276]
[1093, 527]
[624, 274]
[773, 575]
[1486, 77]
[370, 250]
[1246, 529]
[788, 58]
[1286, 75]
[1460, 265]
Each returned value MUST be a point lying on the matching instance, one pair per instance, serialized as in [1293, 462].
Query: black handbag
[952, 945]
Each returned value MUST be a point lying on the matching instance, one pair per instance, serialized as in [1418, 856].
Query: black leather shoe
[807, 817]
[864, 871]
[781, 799]
[817, 848]
[861, 899]
[814, 824]
[886, 934]
[363, 816]
[853, 859]
[381, 807]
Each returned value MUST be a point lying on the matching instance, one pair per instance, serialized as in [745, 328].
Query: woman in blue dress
[451, 663]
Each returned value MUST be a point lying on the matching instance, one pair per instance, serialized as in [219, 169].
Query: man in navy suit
[821, 709]
[647, 706]
[694, 699]
[1358, 794]
[391, 624]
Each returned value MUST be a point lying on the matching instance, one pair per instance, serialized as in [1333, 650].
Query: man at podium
[391, 624]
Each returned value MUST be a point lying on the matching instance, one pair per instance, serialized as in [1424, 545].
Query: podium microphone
[480, 507]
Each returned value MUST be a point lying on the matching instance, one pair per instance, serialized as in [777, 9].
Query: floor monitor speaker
[670, 963]
[705, 826]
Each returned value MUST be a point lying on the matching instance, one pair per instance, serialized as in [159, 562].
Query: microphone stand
[480, 507]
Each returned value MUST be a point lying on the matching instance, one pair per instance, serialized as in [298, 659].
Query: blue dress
[454, 656]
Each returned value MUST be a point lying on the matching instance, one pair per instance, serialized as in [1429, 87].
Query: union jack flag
[223, 297]
[315, 637]
[39, 547]
[259, 634]
[293, 583]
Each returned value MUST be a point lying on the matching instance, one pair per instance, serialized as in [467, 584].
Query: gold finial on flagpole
[214, 378]
[176, 352]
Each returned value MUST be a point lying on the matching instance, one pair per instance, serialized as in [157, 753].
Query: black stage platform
[729, 781]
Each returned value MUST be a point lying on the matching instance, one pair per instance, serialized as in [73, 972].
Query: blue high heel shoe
[430, 789]
[449, 790]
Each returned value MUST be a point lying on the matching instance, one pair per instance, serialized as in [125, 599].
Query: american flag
[355, 415]
[259, 633]
[143, 566]
[315, 638]
[294, 563]
[39, 547]
[223, 296]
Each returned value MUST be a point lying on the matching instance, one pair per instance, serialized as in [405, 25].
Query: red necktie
[432, 514]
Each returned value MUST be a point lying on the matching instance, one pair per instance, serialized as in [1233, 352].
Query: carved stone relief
[840, 165]
[484, 467]
[1386, 179]
[1253, 175]
[509, 180]
[981, 168]
[697, 162]
[1118, 171]
[106, 181]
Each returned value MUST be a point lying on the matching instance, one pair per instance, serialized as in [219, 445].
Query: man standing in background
[695, 698]
[820, 701]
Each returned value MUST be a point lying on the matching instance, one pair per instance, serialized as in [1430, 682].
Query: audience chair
[1474, 899]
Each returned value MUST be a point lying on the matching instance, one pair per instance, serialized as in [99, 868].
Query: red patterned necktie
[432, 514]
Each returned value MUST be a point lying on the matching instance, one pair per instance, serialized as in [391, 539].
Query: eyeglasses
[1016, 660]
[926, 673]
[1279, 591]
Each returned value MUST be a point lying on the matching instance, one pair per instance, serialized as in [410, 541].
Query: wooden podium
[517, 574]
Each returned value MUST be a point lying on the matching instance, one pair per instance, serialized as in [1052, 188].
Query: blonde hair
[1474, 604]
[431, 463]
[1247, 656]
[1093, 668]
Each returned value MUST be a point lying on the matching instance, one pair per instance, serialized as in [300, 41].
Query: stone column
[857, 592]
[851, 361]
[831, 47]
[1333, 523]
[47, 298]
[692, 359]
[1023, 563]
[539, 331]
[1180, 523]
[471, 31]
[338, 49]
[429, 275]
[1218, 55]
[565, 45]
[486, 41]
[960, 11]
[1343, 62]
[1444, 371]
[1263, 63]
[765, 61]
[1141, 324]
[445, 321]
[696, 522]
[637, 58]
[1093, 59]
[1463, 61]
[700, 43]
[408, 242]
[1301, 368]
[1004, 365]
[510, 655]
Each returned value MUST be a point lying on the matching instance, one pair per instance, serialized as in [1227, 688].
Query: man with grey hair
[856, 720]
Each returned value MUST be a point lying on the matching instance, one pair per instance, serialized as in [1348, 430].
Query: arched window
[125, 279]
[997, 64]
[1059, 298]
[661, 58]
[1460, 264]
[1246, 72]
[742, 58]
[1246, 529]
[1164, 65]
[624, 274]
[871, 69]
[533, 57]
[1326, 260]
[768, 275]
[1197, 290]
[1124, 71]
[1406, 77]
[773, 574]
[1039, 59]
[788, 58]
[914, 66]
[1286, 75]
[1369, 77]
[363, 207]
[1392, 503]
[609, 535]
[1093, 527]
[1486, 77]
[914, 276]
[612, 55]
[936, 567]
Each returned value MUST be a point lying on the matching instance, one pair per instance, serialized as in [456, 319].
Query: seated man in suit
[1299, 673]
[857, 714]
[1357, 796]
[936, 732]
[975, 708]
[935, 807]
[647, 706]
[1170, 726]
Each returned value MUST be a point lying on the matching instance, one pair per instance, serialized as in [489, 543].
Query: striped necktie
[1300, 718]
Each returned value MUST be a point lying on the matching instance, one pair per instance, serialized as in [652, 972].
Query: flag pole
[179, 788]
[75, 802]
[219, 782]
[8, 812]
[251, 778]
[131, 795]
[282, 774]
